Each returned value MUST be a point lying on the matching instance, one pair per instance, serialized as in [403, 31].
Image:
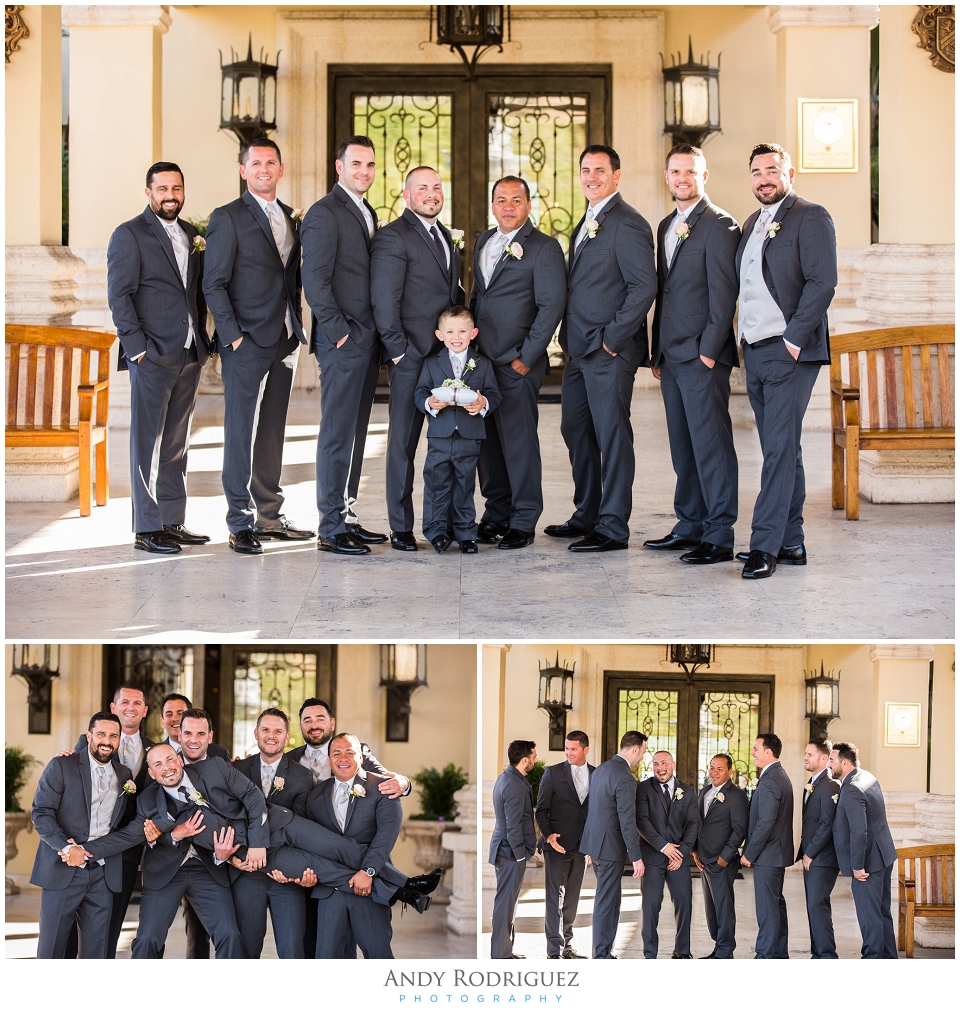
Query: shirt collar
[318, 751]
[600, 205]
[426, 224]
[682, 215]
[462, 356]
[167, 225]
[816, 777]
[773, 208]
[263, 204]
[358, 201]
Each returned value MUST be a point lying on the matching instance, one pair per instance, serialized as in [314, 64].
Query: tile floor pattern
[889, 575]
[414, 936]
[531, 942]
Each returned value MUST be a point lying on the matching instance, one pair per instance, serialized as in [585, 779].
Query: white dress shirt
[316, 759]
[710, 796]
[181, 250]
[283, 237]
[458, 360]
[493, 251]
[364, 210]
[591, 215]
[581, 779]
[105, 788]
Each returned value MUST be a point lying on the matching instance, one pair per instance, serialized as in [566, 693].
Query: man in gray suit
[337, 235]
[517, 301]
[154, 268]
[694, 349]
[769, 846]
[252, 286]
[414, 275]
[611, 284]
[787, 265]
[610, 836]
[514, 841]
[816, 852]
[561, 813]
[865, 849]
[80, 798]
[723, 823]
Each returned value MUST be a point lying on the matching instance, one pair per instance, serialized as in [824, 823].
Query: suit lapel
[454, 275]
[83, 764]
[504, 257]
[351, 806]
[351, 206]
[153, 224]
[120, 804]
[748, 227]
[691, 222]
[788, 203]
[260, 217]
[411, 219]
[446, 366]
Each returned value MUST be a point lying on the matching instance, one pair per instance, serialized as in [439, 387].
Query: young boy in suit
[454, 430]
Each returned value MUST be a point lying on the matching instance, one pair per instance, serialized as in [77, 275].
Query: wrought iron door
[693, 719]
[160, 670]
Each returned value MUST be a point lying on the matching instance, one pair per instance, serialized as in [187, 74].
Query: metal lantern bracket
[691, 657]
[38, 678]
[820, 711]
[556, 699]
[477, 25]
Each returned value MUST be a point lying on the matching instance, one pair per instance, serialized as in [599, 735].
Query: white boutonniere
[297, 215]
[278, 784]
[835, 797]
[129, 787]
[592, 227]
[719, 797]
[808, 788]
[772, 229]
[199, 244]
[678, 794]
[358, 792]
[515, 251]
[471, 364]
[196, 797]
[456, 237]
[682, 229]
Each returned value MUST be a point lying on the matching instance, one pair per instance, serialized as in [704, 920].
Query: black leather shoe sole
[149, 544]
[426, 883]
[782, 558]
[283, 534]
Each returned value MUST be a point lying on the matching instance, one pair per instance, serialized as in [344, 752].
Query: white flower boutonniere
[129, 787]
[471, 364]
[835, 797]
[515, 251]
[682, 229]
[456, 235]
[719, 797]
[678, 794]
[197, 797]
[592, 227]
[772, 229]
[297, 215]
[278, 784]
[808, 789]
[358, 792]
[199, 244]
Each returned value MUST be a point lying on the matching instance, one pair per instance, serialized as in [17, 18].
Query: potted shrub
[18, 763]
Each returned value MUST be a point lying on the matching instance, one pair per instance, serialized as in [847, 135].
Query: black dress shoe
[550, 957]
[676, 955]
[362, 535]
[522, 957]
[427, 883]
[404, 541]
[759, 565]
[569, 952]
[706, 552]
[421, 902]
[441, 543]
[343, 544]
[155, 542]
[245, 542]
[285, 533]
[468, 546]
[671, 541]
[596, 543]
[568, 530]
[180, 534]
[516, 538]
[710, 955]
[795, 556]
[488, 533]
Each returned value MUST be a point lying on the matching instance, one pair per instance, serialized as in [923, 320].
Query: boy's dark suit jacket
[436, 369]
[297, 782]
[559, 810]
[816, 833]
[724, 827]
[61, 810]
[658, 823]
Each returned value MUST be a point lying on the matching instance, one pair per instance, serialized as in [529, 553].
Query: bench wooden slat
[926, 385]
[13, 391]
[925, 880]
[943, 370]
[890, 386]
[873, 398]
[909, 405]
[31, 405]
[65, 386]
[49, 367]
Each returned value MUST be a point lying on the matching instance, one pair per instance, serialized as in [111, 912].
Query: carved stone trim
[905, 652]
[935, 27]
[822, 16]
[16, 29]
[116, 15]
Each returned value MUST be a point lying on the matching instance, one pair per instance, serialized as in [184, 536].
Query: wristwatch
[370, 871]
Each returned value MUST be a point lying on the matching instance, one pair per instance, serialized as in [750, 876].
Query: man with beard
[694, 349]
[337, 234]
[79, 799]
[154, 272]
[787, 265]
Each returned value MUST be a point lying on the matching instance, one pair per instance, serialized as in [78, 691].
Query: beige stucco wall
[943, 738]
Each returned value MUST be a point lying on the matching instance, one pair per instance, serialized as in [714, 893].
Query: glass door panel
[655, 714]
[729, 723]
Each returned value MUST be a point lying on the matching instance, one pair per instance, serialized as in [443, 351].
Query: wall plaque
[827, 135]
[901, 724]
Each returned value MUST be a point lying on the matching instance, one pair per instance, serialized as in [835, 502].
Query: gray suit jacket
[611, 284]
[559, 810]
[518, 312]
[368, 763]
[61, 810]
[723, 828]
[336, 271]
[861, 834]
[435, 370]
[659, 824]
[247, 287]
[296, 786]
[770, 823]
[611, 830]
[151, 308]
[513, 812]
[697, 294]
[410, 285]
[816, 833]
[800, 269]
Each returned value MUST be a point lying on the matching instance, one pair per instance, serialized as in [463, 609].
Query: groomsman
[787, 265]
[610, 836]
[173, 709]
[514, 841]
[865, 849]
[517, 301]
[154, 268]
[337, 235]
[611, 284]
[723, 824]
[668, 823]
[252, 286]
[80, 797]
[769, 846]
[283, 782]
[414, 275]
[694, 349]
[817, 852]
[561, 815]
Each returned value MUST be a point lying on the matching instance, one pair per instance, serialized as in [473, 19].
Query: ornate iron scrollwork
[935, 26]
[729, 723]
[16, 29]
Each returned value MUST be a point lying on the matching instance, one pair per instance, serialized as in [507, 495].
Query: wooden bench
[925, 878]
[907, 407]
[51, 401]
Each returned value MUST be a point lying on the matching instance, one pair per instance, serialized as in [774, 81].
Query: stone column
[494, 674]
[115, 136]
[462, 910]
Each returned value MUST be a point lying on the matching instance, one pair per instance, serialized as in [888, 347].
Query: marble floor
[530, 940]
[889, 575]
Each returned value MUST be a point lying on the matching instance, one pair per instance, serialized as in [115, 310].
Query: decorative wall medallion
[935, 27]
[17, 31]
